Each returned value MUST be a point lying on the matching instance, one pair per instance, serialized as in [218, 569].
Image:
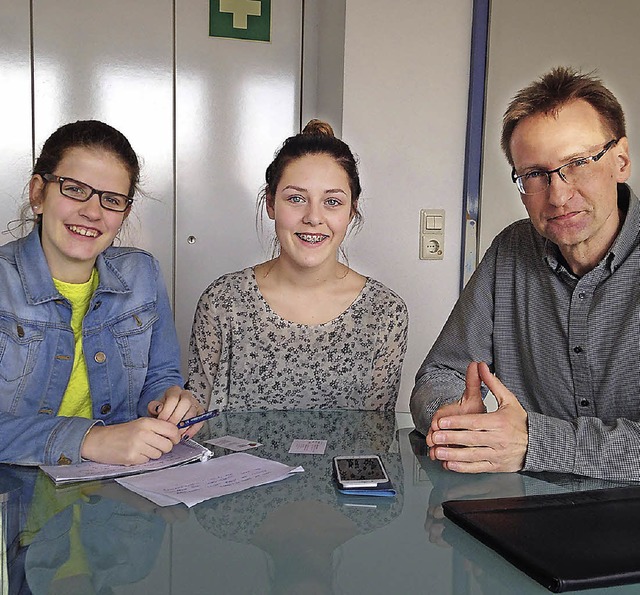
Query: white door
[204, 114]
[113, 61]
[15, 109]
[236, 101]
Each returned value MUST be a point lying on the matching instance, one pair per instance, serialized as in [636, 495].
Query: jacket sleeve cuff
[65, 442]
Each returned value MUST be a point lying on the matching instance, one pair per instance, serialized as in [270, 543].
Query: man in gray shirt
[550, 320]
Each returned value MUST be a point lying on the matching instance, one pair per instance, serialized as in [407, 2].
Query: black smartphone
[359, 471]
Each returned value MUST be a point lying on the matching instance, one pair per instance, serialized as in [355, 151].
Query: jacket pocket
[19, 345]
[133, 336]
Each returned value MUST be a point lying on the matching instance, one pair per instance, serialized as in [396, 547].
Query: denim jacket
[129, 342]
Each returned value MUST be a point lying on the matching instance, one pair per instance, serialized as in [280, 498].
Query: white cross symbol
[241, 9]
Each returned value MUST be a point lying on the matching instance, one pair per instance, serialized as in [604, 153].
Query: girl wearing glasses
[302, 330]
[89, 359]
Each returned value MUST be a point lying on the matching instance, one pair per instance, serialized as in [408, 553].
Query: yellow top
[76, 400]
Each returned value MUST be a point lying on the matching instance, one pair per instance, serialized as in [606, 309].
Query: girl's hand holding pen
[185, 423]
[177, 404]
[176, 416]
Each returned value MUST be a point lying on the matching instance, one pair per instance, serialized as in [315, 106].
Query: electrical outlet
[431, 234]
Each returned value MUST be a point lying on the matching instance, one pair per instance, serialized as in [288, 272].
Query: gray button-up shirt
[568, 347]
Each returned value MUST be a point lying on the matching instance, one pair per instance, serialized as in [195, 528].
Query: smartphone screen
[361, 471]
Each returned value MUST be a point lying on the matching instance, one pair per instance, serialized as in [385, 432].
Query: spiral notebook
[572, 541]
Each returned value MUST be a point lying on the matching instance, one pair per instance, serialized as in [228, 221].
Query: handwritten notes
[192, 484]
[308, 447]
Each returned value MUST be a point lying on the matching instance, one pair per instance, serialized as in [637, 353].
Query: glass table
[296, 536]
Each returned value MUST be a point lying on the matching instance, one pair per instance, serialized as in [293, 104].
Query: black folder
[571, 541]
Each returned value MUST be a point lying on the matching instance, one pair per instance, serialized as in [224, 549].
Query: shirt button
[105, 409]
[64, 460]
[100, 357]
[584, 402]
[577, 349]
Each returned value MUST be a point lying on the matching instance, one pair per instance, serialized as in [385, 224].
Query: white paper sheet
[195, 483]
[183, 452]
[308, 447]
[233, 443]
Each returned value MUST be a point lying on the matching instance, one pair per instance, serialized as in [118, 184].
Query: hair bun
[318, 128]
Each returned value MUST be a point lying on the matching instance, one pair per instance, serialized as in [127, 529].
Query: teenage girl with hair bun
[302, 330]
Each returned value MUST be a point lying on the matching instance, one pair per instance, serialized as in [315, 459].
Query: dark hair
[555, 89]
[316, 138]
[91, 134]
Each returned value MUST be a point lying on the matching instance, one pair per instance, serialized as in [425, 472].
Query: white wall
[406, 79]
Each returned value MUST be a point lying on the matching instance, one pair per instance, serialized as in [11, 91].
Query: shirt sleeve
[387, 365]
[465, 337]
[163, 369]
[584, 446]
[205, 346]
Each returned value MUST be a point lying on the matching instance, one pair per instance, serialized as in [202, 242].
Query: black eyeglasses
[112, 201]
[575, 172]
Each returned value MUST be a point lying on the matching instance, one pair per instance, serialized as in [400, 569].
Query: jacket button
[100, 357]
[63, 460]
[577, 349]
[584, 402]
[105, 409]
[20, 331]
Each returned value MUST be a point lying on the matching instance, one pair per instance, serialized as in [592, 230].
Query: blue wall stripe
[475, 129]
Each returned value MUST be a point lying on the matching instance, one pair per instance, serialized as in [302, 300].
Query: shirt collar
[627, 238]
[36, 276]
[623, 244]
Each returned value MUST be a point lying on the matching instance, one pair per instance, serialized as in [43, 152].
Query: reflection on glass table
[295, 536]
[299, 523]
[79, 539]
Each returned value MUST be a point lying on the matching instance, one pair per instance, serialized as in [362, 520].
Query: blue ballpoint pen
[185, 423]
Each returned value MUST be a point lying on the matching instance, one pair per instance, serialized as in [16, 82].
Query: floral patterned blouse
[243, 356]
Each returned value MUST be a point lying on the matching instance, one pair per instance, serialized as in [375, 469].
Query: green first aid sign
[240, 19]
